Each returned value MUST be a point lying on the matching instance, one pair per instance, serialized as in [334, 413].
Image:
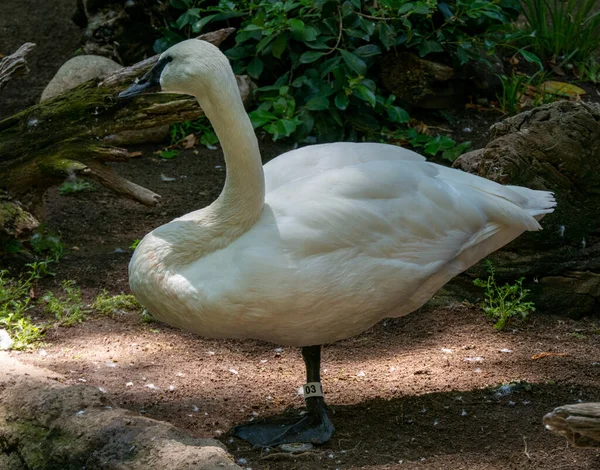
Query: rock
[45, 424]
[6, 341]
[78, 70]
[15, 221]
[554, 147]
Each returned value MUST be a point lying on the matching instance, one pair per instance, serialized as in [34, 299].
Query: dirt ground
[417, 392]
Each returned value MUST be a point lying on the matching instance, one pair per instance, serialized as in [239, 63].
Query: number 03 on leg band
[313, 389]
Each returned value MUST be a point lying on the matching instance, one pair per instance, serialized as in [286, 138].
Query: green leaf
[426, 47]
[180, 4]
[387, 35]
[347, 8]
[462, 55]
[286, 127]
[236, 53]
[259, 117]
[168, 154]
[329, 65]
[279, 45]
[365, 94]
[189, 17]
[531, 57]
[341, 101]
[317, 103]
[397, 114]
[310, 56]
[198, 25]
[355, 63]
[255, 68]
[296, 27]
[367, 50]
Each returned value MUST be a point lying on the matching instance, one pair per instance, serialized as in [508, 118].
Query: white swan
[320, 243]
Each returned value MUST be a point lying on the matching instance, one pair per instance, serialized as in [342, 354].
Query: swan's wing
[315, 159]
[416, 213]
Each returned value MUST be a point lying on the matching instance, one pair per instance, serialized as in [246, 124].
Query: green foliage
[448, 148]
[14, 303]
[110, 304]
[317, 61]
[68, 309]
[566, 29]
[504, 302]
[200, 126]
[135, 244]
[47, 245]
[71, 187]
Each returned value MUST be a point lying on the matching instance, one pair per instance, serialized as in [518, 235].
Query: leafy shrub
[566, 29]
[504, 302]
[316, 61]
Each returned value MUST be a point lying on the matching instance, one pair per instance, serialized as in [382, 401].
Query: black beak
[149, 82]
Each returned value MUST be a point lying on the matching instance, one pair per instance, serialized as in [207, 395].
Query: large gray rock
[79, 70]
[47, 425]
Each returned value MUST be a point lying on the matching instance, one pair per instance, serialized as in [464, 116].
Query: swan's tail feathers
[537, 203]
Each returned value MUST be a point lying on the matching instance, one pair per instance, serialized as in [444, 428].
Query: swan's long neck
[241, 202]
[242, 199]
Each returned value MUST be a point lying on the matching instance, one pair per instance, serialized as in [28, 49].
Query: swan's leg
[314, 427]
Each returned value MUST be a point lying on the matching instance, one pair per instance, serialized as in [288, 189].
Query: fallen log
[77, 132]
[579, 423]
[15, 64]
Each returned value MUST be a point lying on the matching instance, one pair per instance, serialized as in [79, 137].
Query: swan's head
[190, 67]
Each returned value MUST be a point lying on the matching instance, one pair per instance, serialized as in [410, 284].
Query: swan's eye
[169, 58]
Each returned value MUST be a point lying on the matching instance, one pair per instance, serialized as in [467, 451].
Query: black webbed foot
[315, 427]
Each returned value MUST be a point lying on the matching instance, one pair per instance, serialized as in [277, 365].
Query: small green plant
[47, 245]
[521, 91]
[147, 317]
[71, 187]
[513, 87]
[563, 29]
[135, 244]
[504, 302]
[168, 154]
[68, 309]
[14, 303]
[110, 304]
[200, 126]
[589, 71]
